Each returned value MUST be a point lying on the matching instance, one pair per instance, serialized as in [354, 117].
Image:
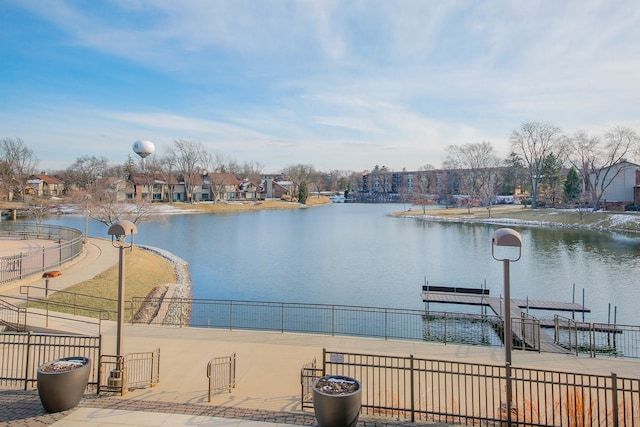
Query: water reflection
[355, 254]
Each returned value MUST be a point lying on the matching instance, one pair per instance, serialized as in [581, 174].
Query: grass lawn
[235, 207]
[144, 271]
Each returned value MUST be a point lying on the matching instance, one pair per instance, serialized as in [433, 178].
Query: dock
[481, 297]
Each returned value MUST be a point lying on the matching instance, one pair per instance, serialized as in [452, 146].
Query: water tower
[143, 148]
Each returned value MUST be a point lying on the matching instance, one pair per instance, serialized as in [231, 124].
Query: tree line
[574, 168]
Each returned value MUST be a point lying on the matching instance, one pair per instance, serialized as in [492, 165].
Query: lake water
[355, 254]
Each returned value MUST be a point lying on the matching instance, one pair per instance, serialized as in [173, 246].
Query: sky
[335, 84]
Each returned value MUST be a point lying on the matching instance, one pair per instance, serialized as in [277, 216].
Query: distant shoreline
[513, 215]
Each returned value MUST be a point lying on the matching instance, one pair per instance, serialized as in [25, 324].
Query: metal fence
[528, 328]
[119, 374]
[388, 323]
[221, 373]
[308, 374]
[12, 316]
[473, 394]
[15, 267]
[22, 353]
[597, 339]
[27, 309]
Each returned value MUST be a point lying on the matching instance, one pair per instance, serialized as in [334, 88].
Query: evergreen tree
[572, 186]
[303, 192]
[129, 166]
[552, 178]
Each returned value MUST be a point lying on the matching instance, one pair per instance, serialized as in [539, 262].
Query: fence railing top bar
[24, 289]
[595, 324]
[7, 304]
[64, 304]
[597, 380]
[351, 308]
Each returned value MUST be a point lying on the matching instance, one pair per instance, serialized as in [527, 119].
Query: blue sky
[336, 84]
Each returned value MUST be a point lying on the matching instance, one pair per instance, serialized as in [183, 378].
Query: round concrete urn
[62, 382]
[337, 401]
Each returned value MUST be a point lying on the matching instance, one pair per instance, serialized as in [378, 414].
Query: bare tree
[105, 205]
[18, 163]
[191, 157]
[38, 210]
[252, 171]
[85, 171]
[422, 186]
[534, 141]
[480, 165]
[165, 167]
[600, 160]
[298, 174]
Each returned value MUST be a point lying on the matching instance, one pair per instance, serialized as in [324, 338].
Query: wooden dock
[482, 298]
[454, 296]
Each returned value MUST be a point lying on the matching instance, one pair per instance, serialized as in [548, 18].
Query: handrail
[102, 314]
[62, 291]
[4, 306]
[25, 290]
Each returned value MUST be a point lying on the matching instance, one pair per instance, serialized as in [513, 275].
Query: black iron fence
[15, 267]
[21, 353]
[474, 394]
[388, 323]
[597, 339]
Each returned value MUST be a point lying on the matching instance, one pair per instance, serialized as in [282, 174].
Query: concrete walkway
[268, 369]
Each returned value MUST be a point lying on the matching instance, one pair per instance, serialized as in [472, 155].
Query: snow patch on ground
[622, 219]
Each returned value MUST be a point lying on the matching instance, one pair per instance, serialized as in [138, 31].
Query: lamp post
[119, 232]
[509, 238]
[87, 198]
[46, 276]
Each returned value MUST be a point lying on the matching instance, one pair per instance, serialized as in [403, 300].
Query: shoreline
[622, 222]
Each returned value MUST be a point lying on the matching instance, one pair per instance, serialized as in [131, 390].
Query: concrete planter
[62, 382]
[337, 401]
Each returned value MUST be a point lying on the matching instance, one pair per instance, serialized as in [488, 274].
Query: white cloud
[276, 81]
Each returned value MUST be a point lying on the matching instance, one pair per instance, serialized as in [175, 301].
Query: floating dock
[478, 296]
[481, 297]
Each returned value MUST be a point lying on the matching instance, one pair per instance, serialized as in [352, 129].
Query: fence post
[28, 361]
[333, 323]
[412, 385]
[282, 317]
[614, 398]
[231, 315]
[386, 327]
[445, 328]
[509, 392]
[324, 361]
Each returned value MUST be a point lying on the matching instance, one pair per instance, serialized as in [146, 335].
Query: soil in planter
[62, 366]
[336, 386]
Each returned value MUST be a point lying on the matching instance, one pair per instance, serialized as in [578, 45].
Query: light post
[87, 198]
[119, 232]
[509, 238]
[46, 276]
